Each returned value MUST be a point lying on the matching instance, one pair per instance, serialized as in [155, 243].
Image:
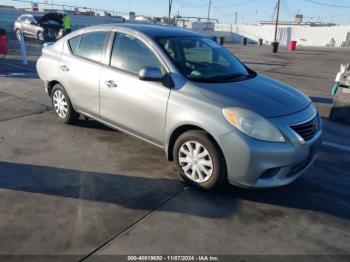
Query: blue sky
[249, 11]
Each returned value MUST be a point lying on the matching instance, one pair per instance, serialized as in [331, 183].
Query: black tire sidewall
[71, 114]
[219, 166]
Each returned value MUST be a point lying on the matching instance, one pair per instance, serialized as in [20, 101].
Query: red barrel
[292, 45]
[3, 44]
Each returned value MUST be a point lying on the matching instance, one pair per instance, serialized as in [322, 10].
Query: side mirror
[32, 23]
[150, 74]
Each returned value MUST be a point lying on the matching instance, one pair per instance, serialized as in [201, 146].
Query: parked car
[40, 27]
[214, 117]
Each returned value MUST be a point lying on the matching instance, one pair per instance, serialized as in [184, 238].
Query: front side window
[74, 43]
[92, 45]
[203, 60]
[30, 20]
[131, 55]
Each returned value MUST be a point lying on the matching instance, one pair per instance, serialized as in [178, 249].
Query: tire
[206, 170]
[40, 36]
[62, 105]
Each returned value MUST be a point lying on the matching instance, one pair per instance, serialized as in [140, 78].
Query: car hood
[261, 94]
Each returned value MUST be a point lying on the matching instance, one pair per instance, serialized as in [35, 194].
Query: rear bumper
[258, 164]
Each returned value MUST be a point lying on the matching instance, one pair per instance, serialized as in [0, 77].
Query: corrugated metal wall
[304, 35]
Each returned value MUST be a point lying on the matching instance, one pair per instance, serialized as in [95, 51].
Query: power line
[237, 4]
[190, 5]
[292, 13]
[69, 6]
[326, 4]
[289, 11]
[220, 12]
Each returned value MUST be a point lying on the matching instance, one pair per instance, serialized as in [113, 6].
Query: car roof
[31, 15]
[150, 30]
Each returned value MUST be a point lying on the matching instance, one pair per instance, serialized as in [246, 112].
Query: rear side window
[74, 44]
[91, 45]
[130, 54]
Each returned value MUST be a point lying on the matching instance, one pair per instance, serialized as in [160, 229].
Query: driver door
[135, 106]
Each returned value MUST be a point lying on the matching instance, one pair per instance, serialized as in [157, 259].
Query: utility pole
[208, 18]
[209, 11]
[236, 16]
[169, 14]
[275, 43]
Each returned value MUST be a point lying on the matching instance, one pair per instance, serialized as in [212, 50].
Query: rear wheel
[199, 161]
[62, 105]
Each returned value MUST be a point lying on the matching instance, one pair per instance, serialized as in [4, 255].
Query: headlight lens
[253, 124]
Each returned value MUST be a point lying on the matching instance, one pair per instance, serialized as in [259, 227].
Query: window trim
[105, 45]
[69, 46]
[152, 50]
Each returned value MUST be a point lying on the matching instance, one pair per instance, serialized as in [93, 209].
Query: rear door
[80, 68]
[26, 26]
[136, 106]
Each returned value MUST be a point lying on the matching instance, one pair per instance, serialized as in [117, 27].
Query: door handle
[64, 68]
[111, 84]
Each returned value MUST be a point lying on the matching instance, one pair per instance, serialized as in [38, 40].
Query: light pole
[209, 11]
[208, 19]
[169, 14]
[275, 42]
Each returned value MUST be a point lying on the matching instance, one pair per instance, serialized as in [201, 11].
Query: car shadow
[132, 192]
[145, 193]
[86, 122]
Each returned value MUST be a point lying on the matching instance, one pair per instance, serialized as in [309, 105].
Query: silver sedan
[214, 117]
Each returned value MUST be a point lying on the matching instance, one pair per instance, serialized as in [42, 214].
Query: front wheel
[18, 34]
[41, 37]
[62, 105]
[199, 160]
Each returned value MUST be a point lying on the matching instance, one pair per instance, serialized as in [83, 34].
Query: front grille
[308, 129]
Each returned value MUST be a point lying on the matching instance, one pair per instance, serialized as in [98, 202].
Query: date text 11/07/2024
[173, 258]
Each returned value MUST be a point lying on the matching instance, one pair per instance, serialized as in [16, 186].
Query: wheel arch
[182, 129]
[50, 86]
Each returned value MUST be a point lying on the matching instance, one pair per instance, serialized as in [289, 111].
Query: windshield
[203, 60]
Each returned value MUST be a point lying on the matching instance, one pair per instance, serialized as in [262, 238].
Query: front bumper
[253, 163]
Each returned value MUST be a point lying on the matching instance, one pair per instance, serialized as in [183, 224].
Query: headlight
[253, 124]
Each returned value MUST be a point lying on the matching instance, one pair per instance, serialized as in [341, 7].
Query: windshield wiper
[227, 77]
[220, 79]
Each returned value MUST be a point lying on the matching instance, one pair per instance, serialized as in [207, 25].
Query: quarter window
[91, 45]
[131, 55]
[74, 44]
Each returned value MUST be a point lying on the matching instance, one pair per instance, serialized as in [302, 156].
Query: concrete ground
[87, 190]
